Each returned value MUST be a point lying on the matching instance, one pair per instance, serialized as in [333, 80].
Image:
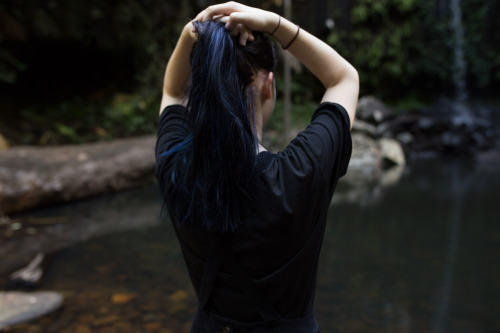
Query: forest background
[80, 71]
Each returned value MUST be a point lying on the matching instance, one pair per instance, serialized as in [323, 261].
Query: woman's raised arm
[339, 77]
[178, 71]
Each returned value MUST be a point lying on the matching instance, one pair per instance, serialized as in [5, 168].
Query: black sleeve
[323, 148]
[331, 125]
[172, 130]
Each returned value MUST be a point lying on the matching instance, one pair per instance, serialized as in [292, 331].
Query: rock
[29, 276]
[120, 298]
[107, 320]
[392, 176]
[17, 307]
[405, 138]
[426, 123]
[153, 326]
[179, 296]
[178, 302]
[391, 153]
[452, 140]
[374, 165]
[4, 144]
[373, 110]
[364, 127]
[371, 157]
[404, 122]
[36, 176]
[364, 166]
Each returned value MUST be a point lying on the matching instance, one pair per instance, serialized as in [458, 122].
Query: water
[421, 257]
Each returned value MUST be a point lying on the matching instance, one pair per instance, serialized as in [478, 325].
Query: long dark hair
[214, 176]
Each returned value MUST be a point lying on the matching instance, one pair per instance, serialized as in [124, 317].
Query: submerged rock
[17, 307]
[29, 276]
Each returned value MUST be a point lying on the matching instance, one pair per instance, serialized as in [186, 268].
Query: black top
[280, 244]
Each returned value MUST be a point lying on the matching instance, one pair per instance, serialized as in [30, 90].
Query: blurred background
[413, 241]
[77, 71]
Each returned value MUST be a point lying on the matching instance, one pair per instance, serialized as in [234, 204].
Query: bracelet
[275, 29]
[293, 40]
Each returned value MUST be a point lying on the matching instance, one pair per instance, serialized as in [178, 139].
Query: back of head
[215, 176]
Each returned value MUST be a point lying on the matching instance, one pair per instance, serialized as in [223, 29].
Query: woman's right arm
[339, 77]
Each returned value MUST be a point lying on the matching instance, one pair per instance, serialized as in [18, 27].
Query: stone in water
[17, 307]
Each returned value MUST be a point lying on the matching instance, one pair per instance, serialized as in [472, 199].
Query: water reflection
[422, 257]
[79, 221]
[458, 189]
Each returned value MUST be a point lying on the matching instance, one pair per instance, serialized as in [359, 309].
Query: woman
[250, 223]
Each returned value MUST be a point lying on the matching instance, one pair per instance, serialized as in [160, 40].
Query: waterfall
[459, 64]
[461, 114]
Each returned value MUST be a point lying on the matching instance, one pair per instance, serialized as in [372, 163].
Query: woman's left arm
[178, 70]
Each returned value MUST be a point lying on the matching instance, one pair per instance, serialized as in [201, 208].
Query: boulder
[371, 158]
[391, 153]
[17, 307]
[364, 127]
[365, 152]
[374, 165]
[373, 110]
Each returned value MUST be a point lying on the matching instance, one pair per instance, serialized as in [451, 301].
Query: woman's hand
[240, 19]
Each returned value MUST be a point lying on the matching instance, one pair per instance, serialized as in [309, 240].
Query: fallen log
[35, 176]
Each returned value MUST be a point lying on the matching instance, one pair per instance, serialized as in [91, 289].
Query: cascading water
[459, 123]
[461, 113]
[459, 65]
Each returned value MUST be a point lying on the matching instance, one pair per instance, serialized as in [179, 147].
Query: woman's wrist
[285, 32]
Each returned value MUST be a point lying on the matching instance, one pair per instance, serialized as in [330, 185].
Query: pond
[420, 256]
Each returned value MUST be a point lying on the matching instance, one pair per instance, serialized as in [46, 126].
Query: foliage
[300, 115]
[74, 71]
[134, 30]
[75, 121]
[61, 63]
[405, 47]
[10, 67]
[482, 40]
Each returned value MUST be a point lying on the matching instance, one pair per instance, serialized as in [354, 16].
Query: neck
[258, 121]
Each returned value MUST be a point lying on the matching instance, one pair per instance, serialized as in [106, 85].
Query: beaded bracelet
[293, 40]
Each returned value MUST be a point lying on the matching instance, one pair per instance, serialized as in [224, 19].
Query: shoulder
[170, 115]
[172, 110]
[333, 110]
[172, 127]
[320, 153]
[326, 137]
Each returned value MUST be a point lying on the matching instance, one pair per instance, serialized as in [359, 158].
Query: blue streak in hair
[183, 146]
